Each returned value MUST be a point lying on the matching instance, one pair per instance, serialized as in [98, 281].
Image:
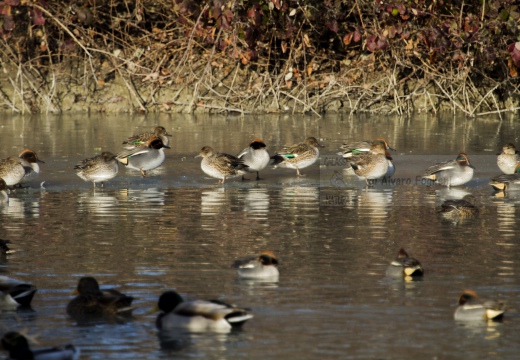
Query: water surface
[179, 230]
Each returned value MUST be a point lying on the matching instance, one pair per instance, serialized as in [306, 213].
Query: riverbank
[266, 57]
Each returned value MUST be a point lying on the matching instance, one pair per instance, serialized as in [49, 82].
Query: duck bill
[153, 310]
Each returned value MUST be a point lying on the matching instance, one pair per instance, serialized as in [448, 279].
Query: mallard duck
[15, 293]
[471, 308]
[298, 156]
[93, 302]
[18, 348]
[404, 265]
[257, 266]
[198, 315]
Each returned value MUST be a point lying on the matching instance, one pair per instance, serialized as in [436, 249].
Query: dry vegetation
[260, 56]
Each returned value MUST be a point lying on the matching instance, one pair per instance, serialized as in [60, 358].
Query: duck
[451, 173]
[99, 168]
[471, 308]
[29, 160]
[372, 165]
[4, 249]
[464, 208]
[506, 182]
[260, 266]
[404, 265]
[91, 302]
[298, 156]
[4, 197]
[18, 347]
[363, 147]
[220, 165]
[15, 293]
[198, 315]
[255, 157]
[145, 157]
[508, 159]
[136, 141]
[11, 171]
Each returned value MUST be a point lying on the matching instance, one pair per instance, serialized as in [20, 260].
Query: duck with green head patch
[298, 156]
[263, 266]
[471, 308]
[145, 157]
[404, 265]
[198, 315]
[451, 173]
[255, 157]
[507, 182]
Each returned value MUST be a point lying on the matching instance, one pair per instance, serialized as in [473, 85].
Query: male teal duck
[18, 347]
[404, 265]
[506, 182]
[471, 308]
[451, 173]
[145, 157]
[91, 302]
[255, 157]
[298, 156]
[29, 161]
[508, 159]
[198, 315]
[221, 166]
[263, 266]
[99, 168]
[138, 140]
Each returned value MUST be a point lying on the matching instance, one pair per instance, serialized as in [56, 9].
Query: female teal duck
[18, 347]
[372, 165]
[221, 166]
[506, 182]
[91, 302]
[298, 156]
[508, 159]
[464, 208]
[136, 141]
[363, 147]
[451, 173]
[11, 171]
[99, 168]
[255, 157]
[198, 315]
[471, 308]
[4, 198]
[263, 266]
[14, 293]
[404, 265]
